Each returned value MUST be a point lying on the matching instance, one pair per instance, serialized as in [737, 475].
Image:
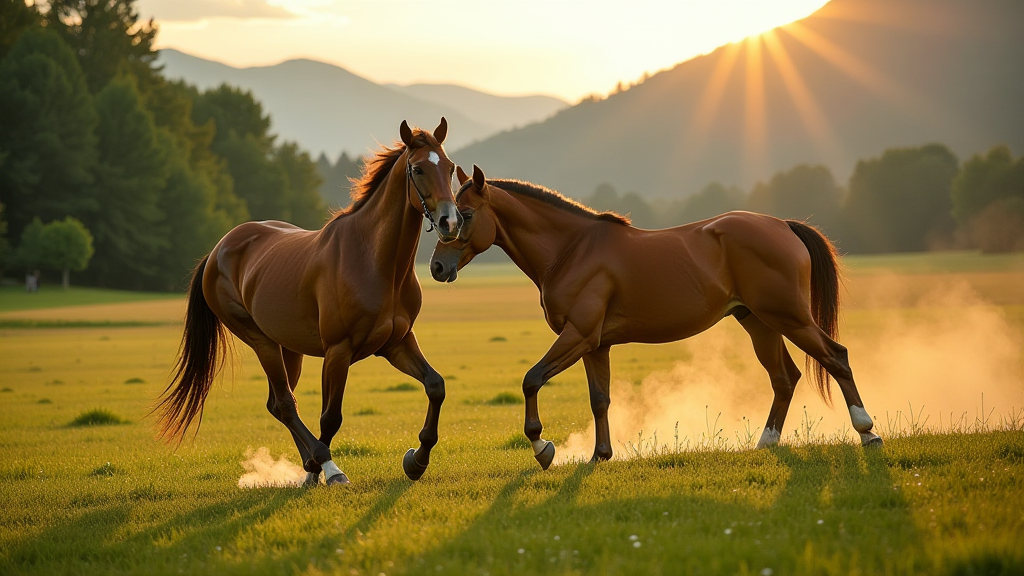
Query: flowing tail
[200, 357]
[824, 293]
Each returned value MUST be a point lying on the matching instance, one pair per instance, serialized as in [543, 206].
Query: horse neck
[387, 227]
[534, 235]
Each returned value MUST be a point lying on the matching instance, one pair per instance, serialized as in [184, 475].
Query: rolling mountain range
[843, 84]
[328, 109]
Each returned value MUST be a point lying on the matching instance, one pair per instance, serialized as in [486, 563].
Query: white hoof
[870, 439]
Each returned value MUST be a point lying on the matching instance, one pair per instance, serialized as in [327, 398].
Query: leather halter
[423, 202]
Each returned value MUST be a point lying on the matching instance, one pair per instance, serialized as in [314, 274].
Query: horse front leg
[566, 351]
[337, 360]
[407, 358]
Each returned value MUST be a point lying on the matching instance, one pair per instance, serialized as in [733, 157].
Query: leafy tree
[29, 253]
[605, 197]
[66, 246]
[131, 171]
[988, 200]
[5, 245]
[900, 202]
[15, 18]
[305, 206]
[47, 140]
[712, 200]
[107, 37]
[803, 193]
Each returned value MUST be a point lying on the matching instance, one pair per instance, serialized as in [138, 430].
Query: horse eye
[467, 216]
[417, 170]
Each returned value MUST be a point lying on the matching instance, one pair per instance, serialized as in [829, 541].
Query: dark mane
[556, 199]
[375, 169]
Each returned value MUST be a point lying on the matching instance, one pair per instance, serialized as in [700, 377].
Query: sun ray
[707, 107]
[852, 66]
[814, 120]
[755, 137]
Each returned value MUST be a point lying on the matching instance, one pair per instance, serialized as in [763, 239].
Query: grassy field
[108, 498]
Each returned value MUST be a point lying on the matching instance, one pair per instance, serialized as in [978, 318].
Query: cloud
[194, 10]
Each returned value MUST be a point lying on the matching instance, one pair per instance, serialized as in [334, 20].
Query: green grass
[97, 417]
[19, 324]
[403, 387]
[104, 499]
[505, 398]
[51, 296]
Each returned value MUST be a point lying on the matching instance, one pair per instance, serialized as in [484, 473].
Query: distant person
[31, 282]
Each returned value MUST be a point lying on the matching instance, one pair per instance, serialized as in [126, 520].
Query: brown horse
[344, 292]
[603, 282]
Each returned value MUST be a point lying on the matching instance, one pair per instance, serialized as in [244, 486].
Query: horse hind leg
[771, 352]
[834, 357]
[293, 366]
[284, 407]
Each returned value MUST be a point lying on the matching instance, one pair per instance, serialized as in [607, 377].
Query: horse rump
[825, 282]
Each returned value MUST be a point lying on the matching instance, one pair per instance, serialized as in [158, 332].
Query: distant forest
[906, 200]
[157, 171]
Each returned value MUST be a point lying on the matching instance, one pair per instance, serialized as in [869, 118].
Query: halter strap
[423, 202]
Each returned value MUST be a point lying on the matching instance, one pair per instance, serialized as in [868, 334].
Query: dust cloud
[261, 471]
[947, 361]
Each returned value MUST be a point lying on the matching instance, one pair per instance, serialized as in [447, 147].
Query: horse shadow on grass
[792, 510]
[110, 538]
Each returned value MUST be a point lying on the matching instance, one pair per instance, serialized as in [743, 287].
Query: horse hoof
[546, 455]
[413, 469]
[869, 439]
[338, 480]
[312, 479]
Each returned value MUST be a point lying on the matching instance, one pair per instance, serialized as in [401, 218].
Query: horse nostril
[442, 222]
[437, 269]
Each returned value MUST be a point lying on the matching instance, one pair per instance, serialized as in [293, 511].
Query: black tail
[200, 357]
[824, 293]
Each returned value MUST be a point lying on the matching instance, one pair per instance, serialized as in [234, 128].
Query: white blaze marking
[769, 437]
[330, 469]
[861, 421]
[538, 446]
[433, 157]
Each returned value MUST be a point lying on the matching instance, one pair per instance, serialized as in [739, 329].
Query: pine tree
[131, 171]
[47, 132]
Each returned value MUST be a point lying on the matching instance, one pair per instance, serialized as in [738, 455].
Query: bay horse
[603, 282]
[344, 292]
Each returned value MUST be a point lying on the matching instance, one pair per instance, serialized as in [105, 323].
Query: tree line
[906, 200]
[155, 171]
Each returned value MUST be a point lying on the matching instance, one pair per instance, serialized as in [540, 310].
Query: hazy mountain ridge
[326, 108]
[884, 74]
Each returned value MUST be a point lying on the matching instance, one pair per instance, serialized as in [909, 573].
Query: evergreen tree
[192, 222]
[47, 139]
[901, 201]
[107, 37]
[131, 171]
[305, 206]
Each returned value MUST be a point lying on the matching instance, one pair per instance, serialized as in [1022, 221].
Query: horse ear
[406, 133]
[441, 131]
[461, 175]
[478, 177]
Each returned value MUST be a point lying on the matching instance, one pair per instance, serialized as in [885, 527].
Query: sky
[564, 48]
